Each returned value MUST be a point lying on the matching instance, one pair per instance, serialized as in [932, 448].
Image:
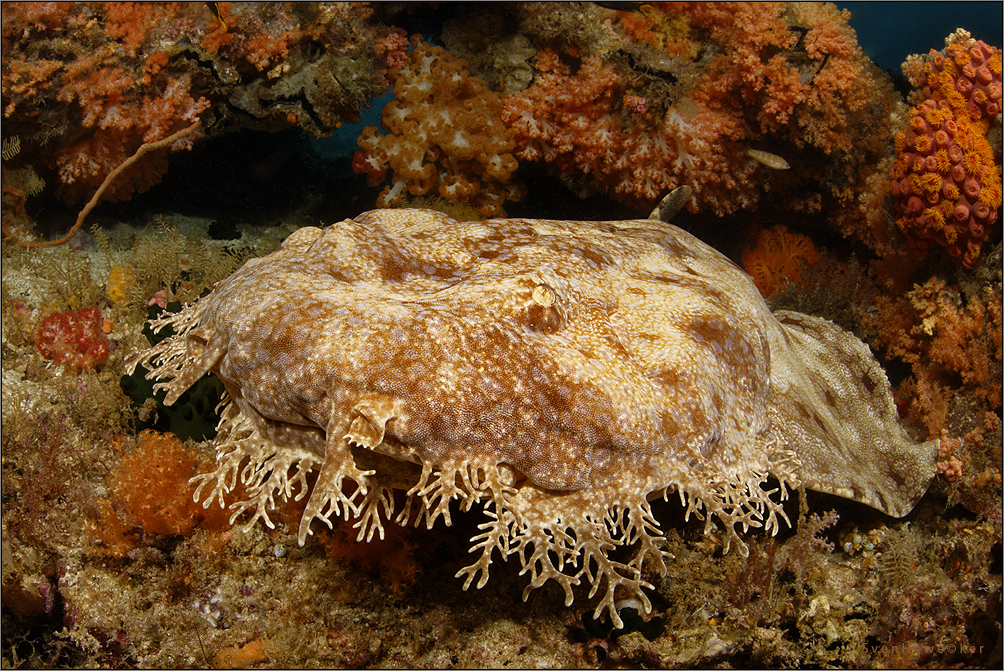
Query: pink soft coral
[74, 338]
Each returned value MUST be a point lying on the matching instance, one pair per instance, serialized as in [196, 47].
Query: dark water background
[890, 31]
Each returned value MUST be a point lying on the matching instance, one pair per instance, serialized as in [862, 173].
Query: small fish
[768, 159]
[672, 203]
[214, 7]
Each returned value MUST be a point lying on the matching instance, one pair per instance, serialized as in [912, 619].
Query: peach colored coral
[811, 85]
[446, 136]
[574, 122]
[393, 48]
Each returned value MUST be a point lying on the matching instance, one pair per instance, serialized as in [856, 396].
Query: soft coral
[74, 338]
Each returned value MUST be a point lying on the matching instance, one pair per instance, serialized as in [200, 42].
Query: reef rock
[563, 373]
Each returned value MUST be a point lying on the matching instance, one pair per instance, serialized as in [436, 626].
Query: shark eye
[543, 295]
[544, 313]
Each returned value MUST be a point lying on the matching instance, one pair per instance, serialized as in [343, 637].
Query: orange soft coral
[809, 83]
[130, 22]
[151, 484]
[951, 347]
[86, 84]
[446, 136]
[391, 558]
[946, 182]
[777, 259]
[774, 75]
[576, 121]
[122, 127]
[107, 112]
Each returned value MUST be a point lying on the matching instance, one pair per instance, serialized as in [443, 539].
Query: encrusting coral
[560, 373]
[946, 180]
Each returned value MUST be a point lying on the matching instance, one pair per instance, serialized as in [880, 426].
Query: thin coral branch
[96, 198]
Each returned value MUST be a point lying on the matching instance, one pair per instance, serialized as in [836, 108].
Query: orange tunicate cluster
[777, 259]
[446, 136]
[945, 181]
[120, 281]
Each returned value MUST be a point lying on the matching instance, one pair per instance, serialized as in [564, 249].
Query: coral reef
[572, 121]
[108, 562]
[86, 84]
[785, 79]
[946, 180]
[446, 137]
[867, 590]
[950, 344]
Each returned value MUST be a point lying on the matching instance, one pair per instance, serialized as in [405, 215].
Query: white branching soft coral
[446, 136]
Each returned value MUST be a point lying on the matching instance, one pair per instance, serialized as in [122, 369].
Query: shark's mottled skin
[563, 372]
